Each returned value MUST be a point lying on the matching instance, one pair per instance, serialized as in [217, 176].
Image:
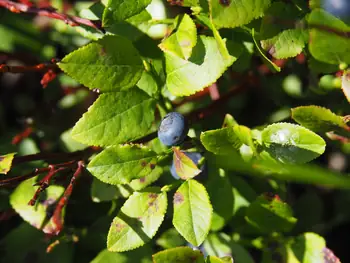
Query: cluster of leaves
[138, 79]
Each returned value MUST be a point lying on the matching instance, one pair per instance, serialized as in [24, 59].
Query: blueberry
[173, 129]
[195, 157]
[200, 248]
[338, 8]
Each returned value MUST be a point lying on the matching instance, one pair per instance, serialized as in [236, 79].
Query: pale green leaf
[229, 14]
[120, 10]
[109, 64]
[179, 254]
[113, 117]
[141, 255]
[148, 83]
[184, 166]
[137, 221]
[183, 40]
[36, 215]
[345, 85]
[204, 67]
[290, 143]
[192, 212]
[121, 164]
[6, 162]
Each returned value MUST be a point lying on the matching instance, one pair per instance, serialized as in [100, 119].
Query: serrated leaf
[137, 221]
[39, 214]
[192, 212]
[141, 255]
[179, 254]
[204, 67]
[229, 14]
[183, 40]
[123, 163]
[329, 257]
[221, 141]
[213, 259]
[305, 248]
[272, 66]
[184, 166]
[113, 117]
[290, 143]
[287, 44]
[270, 214]
[148, 83]
[324, 45]
[345, 85]
[6, 162]
[221, 245]
[318, 119]
[120, 10]
[109, 64]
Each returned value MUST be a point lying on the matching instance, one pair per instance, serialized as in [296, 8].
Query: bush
[261, 168]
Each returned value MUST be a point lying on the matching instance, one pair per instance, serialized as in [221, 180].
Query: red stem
[43, 67]
[52, 13]
[57, 215]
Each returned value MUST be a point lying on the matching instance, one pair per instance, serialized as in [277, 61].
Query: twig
[43, 67]
[214, 91]
[45, 182]
[21, 178]
[57, 215]
[52, 13]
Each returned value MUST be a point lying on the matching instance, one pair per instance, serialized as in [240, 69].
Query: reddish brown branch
[52, 13]
[57, 215]
[18, 179]
[45, 182]
[43, 67]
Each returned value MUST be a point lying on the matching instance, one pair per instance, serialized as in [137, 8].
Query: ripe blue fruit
[338, 8]
[195, 157]
[173, 129]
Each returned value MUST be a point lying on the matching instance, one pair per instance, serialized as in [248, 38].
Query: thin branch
[52, 13]
[57, 215]
[18, 179]
[43, 67]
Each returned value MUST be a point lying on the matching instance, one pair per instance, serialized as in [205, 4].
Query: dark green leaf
[192, 212]
[292, 143]
[137, 221]
[113, 117]
[170, 239]
[109, 64]
[345, 85]
[180, 255]
[270, 214]
[121, 164]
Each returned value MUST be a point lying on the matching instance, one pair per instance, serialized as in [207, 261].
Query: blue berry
[338, 8]
[173, 129]
[195, 157]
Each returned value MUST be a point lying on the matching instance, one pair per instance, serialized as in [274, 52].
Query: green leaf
[192, 212]
[306, 248]
[229, 14]
[290, 143]
[6, 162]
[148, 83]
[272, 66]
[183, 40]
[113, 117]
[101, 192]
[180, 255]
[204, 67]
[137, 221]
[109, 64]
[219, 186]
[141, 255]
[123, 163]
[318, 119]
[287, 44]
[221, 141]
[120, 10]
[229, 121]
[36, 215]
[302, 173]
[270, 214]
[221, 245]
[213, 259]
[327, 46]
[170, 239]
[345, 85]
[184, 166]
